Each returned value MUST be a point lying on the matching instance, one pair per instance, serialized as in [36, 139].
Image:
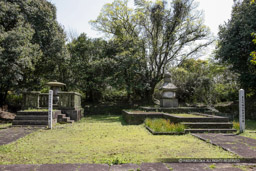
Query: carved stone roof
[168, 86]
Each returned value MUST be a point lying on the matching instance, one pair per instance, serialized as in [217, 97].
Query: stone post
[241, 110]
[50, 109]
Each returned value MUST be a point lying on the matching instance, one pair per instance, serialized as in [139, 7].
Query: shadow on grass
[250, 124]
[104, 119]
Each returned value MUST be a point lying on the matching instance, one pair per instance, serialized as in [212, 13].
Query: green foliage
[150, 37]
[91, 66]
[236, 126]
[253, 54]
[32, 45]
[201, 81]
[235, 43]
[212, 166]
[14, 100]
[163, 125]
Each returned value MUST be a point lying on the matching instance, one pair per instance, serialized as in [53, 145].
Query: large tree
[235, 43]
[32, 45]
[157, 33]
[91, 66]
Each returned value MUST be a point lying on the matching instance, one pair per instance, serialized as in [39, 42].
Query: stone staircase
[39, 118]
[209, 125]
[62, 118]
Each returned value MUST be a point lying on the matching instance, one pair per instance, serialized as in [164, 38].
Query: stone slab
[57, 167]
[93, 167]
[242, 146]
[14, 133]
[134, 167]
[154, 167]
[124, 167]
[169, 103]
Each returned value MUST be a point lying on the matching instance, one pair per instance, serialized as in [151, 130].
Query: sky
[75, 15]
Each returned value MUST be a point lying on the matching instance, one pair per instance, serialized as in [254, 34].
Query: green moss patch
[104, 139]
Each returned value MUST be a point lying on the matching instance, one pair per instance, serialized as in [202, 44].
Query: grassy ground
[188, 115]
[250, 129]
[4, 125]
[104, 139]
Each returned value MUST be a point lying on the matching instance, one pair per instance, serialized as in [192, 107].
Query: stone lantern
[55, 87]
[168, 93]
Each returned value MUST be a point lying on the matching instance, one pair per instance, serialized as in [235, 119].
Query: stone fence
[37, 100]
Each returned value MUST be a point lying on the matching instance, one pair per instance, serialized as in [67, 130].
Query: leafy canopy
[158, 33]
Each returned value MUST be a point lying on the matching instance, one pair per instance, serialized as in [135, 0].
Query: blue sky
[74, 15]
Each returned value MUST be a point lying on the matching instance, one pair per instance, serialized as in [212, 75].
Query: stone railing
[36, 100]
[69, 100]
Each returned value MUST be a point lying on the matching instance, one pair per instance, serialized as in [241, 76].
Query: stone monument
[55, 86]
[168, 92]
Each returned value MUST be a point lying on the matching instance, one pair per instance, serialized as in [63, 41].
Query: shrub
[236, 125]
[163, 125]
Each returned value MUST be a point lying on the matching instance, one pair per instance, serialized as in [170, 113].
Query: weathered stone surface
[154, 167]
[12, 134]
[242, 146]
[142, 167]
[57, 167]
[124, 167]
[94, 167]
[18, 167]
[169, 103]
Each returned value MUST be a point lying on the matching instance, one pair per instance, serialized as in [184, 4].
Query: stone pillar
[241, 110]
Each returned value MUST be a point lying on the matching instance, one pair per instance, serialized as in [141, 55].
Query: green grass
[188, 115]
[104, 139]
[163, 125]
[4, 125]
[250, 129]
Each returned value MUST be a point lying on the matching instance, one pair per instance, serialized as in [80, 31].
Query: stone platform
[200, 124]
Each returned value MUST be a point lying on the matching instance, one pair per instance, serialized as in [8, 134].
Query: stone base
[169, 103]
[75, 115]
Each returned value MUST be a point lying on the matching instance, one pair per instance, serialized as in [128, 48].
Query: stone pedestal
[169, 103]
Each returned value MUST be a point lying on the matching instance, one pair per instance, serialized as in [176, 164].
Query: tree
[32, 45]
[158, 33]
[91, 66]
[235, 43]
[201, 81]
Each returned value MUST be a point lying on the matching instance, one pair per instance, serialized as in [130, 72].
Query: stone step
[30, 122]
[210, 130]
[32, 113]
[195, 119]
[34, 126]
[64, 118]
[31, 117]
[209, 125]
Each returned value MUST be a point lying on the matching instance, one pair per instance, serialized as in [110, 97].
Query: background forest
[139, 46]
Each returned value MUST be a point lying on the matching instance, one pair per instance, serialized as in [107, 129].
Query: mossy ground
[188, 115]
[4, 125]
[104, 139]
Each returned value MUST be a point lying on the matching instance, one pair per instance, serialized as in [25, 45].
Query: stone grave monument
[168, 92]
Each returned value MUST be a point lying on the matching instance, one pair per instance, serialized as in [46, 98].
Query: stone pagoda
[168, 92]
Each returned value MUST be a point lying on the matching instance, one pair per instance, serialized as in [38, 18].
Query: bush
[163, 125]
[236, 125]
